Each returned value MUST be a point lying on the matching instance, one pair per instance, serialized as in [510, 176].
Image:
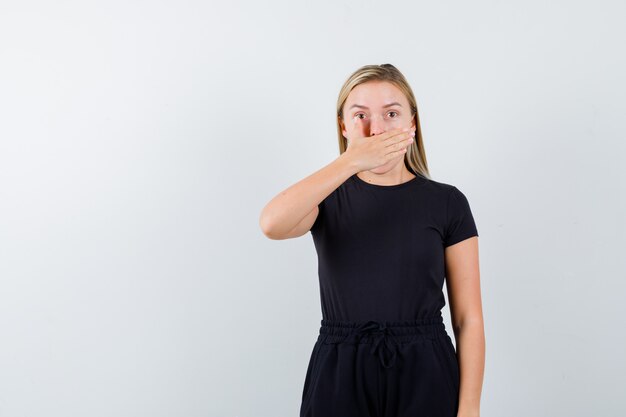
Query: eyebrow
[395, 103]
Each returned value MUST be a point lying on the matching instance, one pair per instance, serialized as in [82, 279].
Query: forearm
[470, 346]
[290, 206]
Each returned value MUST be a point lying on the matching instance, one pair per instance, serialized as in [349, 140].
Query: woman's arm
[292, 212]
[463, 285]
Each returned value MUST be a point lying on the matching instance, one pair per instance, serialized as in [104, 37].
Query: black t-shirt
[381, 248]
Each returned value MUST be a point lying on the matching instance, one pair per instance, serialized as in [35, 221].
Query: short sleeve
[317, 224]
[460, 223]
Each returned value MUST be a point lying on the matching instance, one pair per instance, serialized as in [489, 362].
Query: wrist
[347, 164]
[468, 412]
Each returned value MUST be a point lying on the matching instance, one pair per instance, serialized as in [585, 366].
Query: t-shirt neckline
[413, 180]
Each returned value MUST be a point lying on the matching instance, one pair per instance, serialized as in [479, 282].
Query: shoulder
[438, 185]
[328, 206]
[447, 197]
[459, 223]
[440, 189]
[333, 199]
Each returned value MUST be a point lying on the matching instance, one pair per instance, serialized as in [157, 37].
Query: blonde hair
[415, 157]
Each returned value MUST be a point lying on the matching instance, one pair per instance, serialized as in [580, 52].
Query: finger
[394, 148]
[403, 138]
[397, 153]
[397, 132]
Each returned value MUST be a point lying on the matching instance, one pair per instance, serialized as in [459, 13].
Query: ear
[343, 127]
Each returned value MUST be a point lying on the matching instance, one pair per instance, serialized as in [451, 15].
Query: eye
[359, 114]
[393, 112]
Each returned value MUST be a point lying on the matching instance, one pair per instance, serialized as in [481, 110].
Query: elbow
[268, 232]
[267, 226]
[468, 321]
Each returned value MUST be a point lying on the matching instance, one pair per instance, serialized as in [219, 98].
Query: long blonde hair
[415, 157]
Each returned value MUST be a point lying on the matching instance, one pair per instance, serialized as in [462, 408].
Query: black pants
[374, 369]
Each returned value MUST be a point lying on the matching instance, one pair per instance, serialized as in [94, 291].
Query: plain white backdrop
[139, 141]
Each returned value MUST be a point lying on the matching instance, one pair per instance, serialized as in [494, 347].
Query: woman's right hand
[373, 151]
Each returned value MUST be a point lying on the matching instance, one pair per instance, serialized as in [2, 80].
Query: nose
[377, 126]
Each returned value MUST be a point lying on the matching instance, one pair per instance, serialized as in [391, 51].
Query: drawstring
[381, 333]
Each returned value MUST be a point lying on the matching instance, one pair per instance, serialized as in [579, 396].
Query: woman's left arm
[464, 299]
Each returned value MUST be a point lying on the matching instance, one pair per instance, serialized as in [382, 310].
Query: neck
[394, 177]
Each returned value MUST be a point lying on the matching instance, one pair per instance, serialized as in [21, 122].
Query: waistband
[382, 333]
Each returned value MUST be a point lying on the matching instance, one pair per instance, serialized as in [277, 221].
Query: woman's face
[373, 108]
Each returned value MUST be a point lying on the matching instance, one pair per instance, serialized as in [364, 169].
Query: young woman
[386, 237]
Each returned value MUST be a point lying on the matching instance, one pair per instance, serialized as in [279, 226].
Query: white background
[139, 141]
